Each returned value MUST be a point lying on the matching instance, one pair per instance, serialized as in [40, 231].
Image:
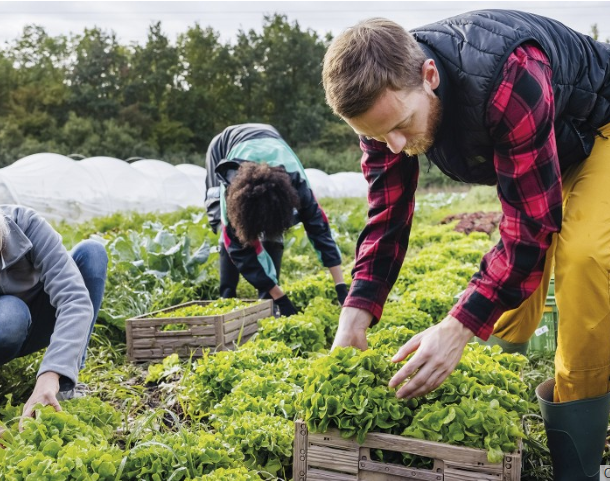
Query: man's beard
[422, 144]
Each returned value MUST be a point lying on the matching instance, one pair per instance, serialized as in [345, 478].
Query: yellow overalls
[580, 255]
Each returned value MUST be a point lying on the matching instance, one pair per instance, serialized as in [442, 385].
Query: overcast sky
[130, 20]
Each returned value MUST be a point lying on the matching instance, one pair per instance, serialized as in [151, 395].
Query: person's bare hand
[438, 350]
[45, 393]
[353, 324]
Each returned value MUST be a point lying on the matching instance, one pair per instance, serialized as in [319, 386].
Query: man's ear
[430, 74]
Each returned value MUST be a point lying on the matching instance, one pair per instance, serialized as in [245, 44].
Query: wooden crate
[147, 342]
[329, 457]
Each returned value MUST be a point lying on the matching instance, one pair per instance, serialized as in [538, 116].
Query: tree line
[88, 94]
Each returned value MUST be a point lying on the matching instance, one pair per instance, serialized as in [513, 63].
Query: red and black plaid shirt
[520, 118]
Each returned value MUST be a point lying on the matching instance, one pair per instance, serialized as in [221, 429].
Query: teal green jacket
[261, 143]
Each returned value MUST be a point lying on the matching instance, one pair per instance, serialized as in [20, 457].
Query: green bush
[347, 160]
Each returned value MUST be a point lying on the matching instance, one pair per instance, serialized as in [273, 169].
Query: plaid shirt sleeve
[520, 117]
[382, 245]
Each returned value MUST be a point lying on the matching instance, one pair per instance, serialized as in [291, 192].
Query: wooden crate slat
[254, 312]
[343, 460]
[148, 331]
[321, 475]
[203, 330]
[331, 438]
[260, 308]
[147, 343]
[236, 324]
[229, 316]
[247, 332]
[147, 353]
[429, 449]
[460, 475]
[144, 343]
[512, 465]
[299, 464]
[163, 321]
[388, 469]
[374, 476]
[173, 343]
[496, 469]
[154, 334]
[219, 333]
[265, 309]
[198, 331]
[169, 343]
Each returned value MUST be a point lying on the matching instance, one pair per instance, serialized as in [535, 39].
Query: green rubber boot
[576, 432]
[509, 347]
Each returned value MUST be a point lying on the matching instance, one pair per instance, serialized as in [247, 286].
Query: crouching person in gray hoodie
[49, 297]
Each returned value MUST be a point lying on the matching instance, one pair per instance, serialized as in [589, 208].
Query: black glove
[341, 292]
[286, 306]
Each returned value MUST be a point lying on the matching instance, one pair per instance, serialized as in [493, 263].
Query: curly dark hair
[260, 199]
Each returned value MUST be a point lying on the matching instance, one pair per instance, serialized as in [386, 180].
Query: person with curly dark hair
[260, 200]
[256, 190]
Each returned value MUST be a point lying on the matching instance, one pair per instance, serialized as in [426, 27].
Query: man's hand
[45, 392]
[439, 349]
[353, 324]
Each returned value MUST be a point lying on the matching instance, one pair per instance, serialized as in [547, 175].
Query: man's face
[405, 120]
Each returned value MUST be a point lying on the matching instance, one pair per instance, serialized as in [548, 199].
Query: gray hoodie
[34, 258]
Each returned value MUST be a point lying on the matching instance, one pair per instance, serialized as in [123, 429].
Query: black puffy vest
[470, 51]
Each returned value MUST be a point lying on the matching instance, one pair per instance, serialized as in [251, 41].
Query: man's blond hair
[365, 60]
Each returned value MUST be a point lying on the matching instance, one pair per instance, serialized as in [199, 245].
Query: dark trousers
[229, 275]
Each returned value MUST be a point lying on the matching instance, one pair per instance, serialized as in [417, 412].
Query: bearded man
[503, 98]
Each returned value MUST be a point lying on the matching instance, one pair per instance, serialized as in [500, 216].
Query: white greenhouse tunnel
[61, 188]
[341, 184]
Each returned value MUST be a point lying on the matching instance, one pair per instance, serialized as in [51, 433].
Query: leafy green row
[80, 443]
